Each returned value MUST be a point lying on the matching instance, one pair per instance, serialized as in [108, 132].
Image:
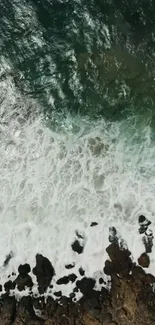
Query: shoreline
[127, 299]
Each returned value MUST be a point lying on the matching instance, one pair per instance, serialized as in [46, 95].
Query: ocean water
[77, 144]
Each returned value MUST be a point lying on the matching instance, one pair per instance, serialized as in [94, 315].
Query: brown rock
[149, 278]
[144, 260]
[88, 320]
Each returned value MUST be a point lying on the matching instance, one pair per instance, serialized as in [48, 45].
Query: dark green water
[95, 57]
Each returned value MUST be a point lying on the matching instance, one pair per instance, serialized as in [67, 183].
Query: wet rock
[81, 271]
[9, 285]
[7, 310]
[77, 247]
[149, 278]
[44, 272]
[22, 281]
[120, 257]
[8, 258]
[24, 269]
[72, 277]
[72, 295]
[112, 235]
[86, 286]
[25, 313]
[144, 260]
[110, 268]
[69, 266]
[63, 280]
[93, 224]
[138, 273]
[144, 223]
[101, 281]
[58, 294]
[147, 296]
[148, 241]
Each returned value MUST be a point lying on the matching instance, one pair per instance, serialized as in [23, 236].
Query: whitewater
[57, 180]
[59, 173]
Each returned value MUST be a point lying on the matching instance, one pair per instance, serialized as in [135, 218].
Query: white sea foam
[54, 182]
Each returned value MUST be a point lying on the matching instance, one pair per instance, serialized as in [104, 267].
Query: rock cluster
[129, 301]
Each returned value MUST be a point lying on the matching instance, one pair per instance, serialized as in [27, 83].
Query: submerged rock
[93, 224]
[69, 266]
[8, 258]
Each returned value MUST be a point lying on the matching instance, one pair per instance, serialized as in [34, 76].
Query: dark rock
[77, 247]
[112, 235]
[9, 285]
[8, 258]
[144, 260]
[69, 266]
[81, 271]
[91, 303]
[148, 240]
[75, 289]
[107, 318]
[23, 281]
[111, 267]
[44, 272]
[7, 310]
[121, 261]
[86, 286]
[72, 277]
[25, 311]
[24, 269]
[0, 288]
[147, 295]
[144, 223]
[93, 224]
[58, 294]
[72, 295]
[50, 307]
[149, 278]
[143, 220]
[101, 281]
[63, 280]
[116, 254]
[138, 273]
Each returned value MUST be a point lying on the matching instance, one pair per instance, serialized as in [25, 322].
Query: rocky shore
[127, 298]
